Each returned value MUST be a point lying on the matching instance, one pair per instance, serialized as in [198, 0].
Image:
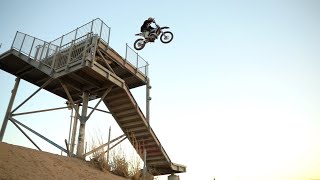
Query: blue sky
[235, 95]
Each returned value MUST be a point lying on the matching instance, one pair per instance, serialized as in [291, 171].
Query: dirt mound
[19, 163]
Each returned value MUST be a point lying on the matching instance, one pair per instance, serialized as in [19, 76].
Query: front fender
[165, 27]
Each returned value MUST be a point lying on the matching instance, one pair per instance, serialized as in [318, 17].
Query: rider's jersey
[146, 25]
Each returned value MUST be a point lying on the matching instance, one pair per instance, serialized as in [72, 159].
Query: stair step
[155, 158]
[155, 153]
[129, 117]
[116, 95]
[153, 149]
[126, 113]
[147, 141]
[121, 107]
[157, 162]
[132, 124]
[119, 102]
[137, 129]
[141, 134]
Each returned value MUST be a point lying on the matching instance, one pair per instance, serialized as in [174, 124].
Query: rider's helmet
[151, 19]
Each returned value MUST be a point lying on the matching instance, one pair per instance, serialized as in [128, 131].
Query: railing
[65, 49]
[32, 47]
[49, 54]
[36, 49]
[73, 51]
[46, 52]
[96, 27]
[136, 60]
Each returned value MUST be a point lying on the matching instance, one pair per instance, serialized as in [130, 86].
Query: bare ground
[20, 163]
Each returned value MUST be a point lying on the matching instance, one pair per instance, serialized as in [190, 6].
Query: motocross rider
[146, 27]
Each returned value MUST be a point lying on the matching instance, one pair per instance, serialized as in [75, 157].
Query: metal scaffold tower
[80, 66]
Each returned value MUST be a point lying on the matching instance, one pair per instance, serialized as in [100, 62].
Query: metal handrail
[39, 49]
[97, 20]
[137, 60]
[36, 43]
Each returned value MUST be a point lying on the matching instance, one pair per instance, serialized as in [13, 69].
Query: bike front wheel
[166, 37]
[139, 44]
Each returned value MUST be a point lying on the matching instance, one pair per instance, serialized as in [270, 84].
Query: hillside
[20, 163]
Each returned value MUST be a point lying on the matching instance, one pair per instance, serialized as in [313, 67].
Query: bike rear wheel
[166, 37]
[139, 44]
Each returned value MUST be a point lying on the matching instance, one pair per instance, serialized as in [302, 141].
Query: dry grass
[119, 163]
[98, 161]
[139, 176]
[123, 165]
[101, 163]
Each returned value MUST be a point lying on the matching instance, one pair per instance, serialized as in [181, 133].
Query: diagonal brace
[69, 96]
[103, 153]
[102, 97]
[103, 145]
[105, 61]
[44, 85]
[100, 110]
[46, 139]
[13, 122]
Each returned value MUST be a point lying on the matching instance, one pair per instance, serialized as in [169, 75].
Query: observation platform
[81, 62]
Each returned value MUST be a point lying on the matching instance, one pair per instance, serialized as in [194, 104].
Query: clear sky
[235, 95]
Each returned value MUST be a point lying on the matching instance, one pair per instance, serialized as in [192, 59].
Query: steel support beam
[69, 96]
[103, 153]
[67, 146]
[144, 175]
[148, 98]
[14, 123]
[44, 85]
[7, 115]
[100, 110]
[25, 70]
[108, 144]
[83, 119]
[102, 97]
[93, 50]
[105, 61]
[82, 77]
[103, 145]
[70, 130]
[44, 110]
[74, 128]
[36, 133]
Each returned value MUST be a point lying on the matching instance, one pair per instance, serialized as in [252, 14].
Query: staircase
[133, 123]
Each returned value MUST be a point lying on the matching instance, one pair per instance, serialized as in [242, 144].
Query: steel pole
[8, 113]
[108, 145]
[144, 176]
[82, 128]
[74, 128]
[39, 135]
[70, 130]
[148, 98]
[25, 134]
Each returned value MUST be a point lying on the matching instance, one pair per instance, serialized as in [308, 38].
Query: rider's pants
[146, 34]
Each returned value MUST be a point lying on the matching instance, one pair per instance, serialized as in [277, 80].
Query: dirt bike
[165, 37]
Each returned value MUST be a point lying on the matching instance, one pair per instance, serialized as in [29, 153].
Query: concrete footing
[173, 177]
